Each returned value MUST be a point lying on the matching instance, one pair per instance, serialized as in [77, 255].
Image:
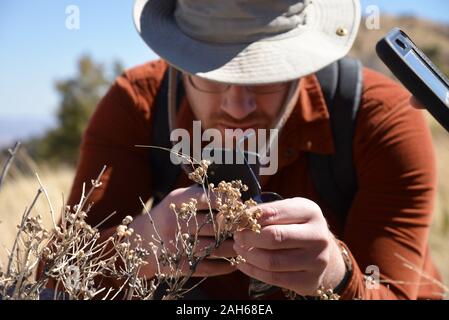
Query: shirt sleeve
[390, 218]
[120, 122]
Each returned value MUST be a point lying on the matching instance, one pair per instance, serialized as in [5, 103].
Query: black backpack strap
[164, 172]
[334, 175]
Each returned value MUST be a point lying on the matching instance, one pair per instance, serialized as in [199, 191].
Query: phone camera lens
[401, 44]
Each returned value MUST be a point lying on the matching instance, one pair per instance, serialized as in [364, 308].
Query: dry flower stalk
[74, 260]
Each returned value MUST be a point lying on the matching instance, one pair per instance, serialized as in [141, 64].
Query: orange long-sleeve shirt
[394, 161]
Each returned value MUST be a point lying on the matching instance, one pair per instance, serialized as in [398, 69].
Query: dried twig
[12, 154]
[52, 212]
[408, 264]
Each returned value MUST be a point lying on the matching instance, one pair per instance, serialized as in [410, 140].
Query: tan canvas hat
[248, 41]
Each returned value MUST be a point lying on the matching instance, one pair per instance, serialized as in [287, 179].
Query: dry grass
[439, 235]
[19, 190]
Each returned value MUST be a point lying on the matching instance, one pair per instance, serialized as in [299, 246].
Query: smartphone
[229, 165]
[417, 73]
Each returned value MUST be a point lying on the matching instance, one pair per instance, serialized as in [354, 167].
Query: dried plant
[74, 259]
[228, 215]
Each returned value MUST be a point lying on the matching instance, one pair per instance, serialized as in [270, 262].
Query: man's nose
[238, 102]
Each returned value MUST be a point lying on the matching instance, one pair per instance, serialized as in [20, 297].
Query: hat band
[238, 26]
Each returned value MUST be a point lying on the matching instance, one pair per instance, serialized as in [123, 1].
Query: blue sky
[36, 48]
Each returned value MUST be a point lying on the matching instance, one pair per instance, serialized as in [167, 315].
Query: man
[251, 64]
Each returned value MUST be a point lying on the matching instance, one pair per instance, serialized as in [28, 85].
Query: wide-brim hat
[248, 41]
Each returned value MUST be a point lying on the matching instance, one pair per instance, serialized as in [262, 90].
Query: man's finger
[278, 260]
[276, 237]
[183, 195]
[210, 268]
[226, 248]
[287, 280]
[206, 268]
[416, 103]
[288, 211]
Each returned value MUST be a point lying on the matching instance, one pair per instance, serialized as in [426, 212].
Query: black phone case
[247, 173]
[396, 63]
[229, 172]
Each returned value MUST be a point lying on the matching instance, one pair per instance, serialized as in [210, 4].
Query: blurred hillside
[431, 37]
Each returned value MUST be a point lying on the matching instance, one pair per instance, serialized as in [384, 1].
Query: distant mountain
[21, 128]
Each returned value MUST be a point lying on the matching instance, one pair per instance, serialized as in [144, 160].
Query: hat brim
[306, 50]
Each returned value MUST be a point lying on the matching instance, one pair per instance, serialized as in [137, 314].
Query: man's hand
[416, 103]
[295, 249]
[166, 225]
